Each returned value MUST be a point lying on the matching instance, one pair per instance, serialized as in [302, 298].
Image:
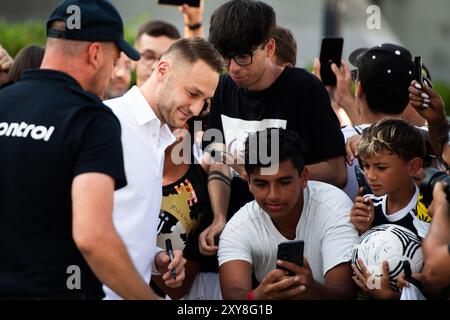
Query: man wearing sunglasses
[257, 94]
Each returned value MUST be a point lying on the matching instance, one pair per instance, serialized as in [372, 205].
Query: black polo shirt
[51, 130]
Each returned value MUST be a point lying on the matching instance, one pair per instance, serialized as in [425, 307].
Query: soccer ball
[391, 243]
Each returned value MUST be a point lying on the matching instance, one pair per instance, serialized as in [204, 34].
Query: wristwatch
[194, 26]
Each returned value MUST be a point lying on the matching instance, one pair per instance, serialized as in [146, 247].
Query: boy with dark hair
[257, 94]
[286, 207]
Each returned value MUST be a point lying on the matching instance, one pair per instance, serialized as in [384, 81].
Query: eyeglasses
[243, 60]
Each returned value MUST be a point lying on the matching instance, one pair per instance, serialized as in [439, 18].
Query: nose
[274, 193]
[120, 72]
[233, 67]
[370, 174]
[197, 107]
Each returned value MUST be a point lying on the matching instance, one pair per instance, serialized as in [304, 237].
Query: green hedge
[15, 36]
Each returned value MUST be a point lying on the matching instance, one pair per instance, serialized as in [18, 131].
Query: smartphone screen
[191, 3]
[291, 251]
[330, 52]
[418, 67]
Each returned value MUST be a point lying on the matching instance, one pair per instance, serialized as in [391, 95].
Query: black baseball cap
[388, 65]
[99, 21]
[385, 73]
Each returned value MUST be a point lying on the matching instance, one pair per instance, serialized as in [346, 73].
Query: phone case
[191, 3]
[330, 52]
[291, 251]
[418, 67]
[362, 181]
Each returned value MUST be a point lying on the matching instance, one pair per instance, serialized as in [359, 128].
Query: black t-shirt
[185, 213]
[296, 101]
[51, 130]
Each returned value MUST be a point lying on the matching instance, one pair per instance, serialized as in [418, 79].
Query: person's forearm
[332, 171]
[188, 33]
[235, 294]
[332, 292]
[110, 261]
[219, 190]
[438, 131]
[439, 232]
[435, 248]
[350, 107]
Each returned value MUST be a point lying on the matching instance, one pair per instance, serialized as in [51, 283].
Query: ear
[414, 165]
[304, 178]
[359, 92]
[95, 55]
[162, 70]
[270, 48]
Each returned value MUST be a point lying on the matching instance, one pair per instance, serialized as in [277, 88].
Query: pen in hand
[169, 250]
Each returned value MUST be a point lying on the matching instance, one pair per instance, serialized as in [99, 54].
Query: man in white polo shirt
[185, 77]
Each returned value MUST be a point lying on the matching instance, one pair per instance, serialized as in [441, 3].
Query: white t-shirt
[324, 225]
[351, 188]
[137, 206]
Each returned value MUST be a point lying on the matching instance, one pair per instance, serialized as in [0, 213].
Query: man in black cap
[385, 73]
[61, 162]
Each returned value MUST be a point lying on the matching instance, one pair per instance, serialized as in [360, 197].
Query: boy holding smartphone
[286, 207]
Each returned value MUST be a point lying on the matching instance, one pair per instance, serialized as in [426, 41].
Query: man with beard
[185, 77]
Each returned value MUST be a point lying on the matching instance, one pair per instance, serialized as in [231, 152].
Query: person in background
[120, 78]
[29, 57]
[285, 48]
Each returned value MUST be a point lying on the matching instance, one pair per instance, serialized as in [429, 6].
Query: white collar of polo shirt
[143, 114]
[140, 108]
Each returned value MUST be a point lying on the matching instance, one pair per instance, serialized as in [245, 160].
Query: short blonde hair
[396, 137]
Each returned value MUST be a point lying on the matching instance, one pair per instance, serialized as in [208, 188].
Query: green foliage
[15, 36]
[444, 91]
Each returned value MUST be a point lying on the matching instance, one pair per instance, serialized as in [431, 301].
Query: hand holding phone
[291, 251]
[330, 52]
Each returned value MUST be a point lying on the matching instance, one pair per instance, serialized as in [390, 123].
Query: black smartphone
[362, 181]
[330, 52]
[190, 3]
[291, 251]
[418, 67]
